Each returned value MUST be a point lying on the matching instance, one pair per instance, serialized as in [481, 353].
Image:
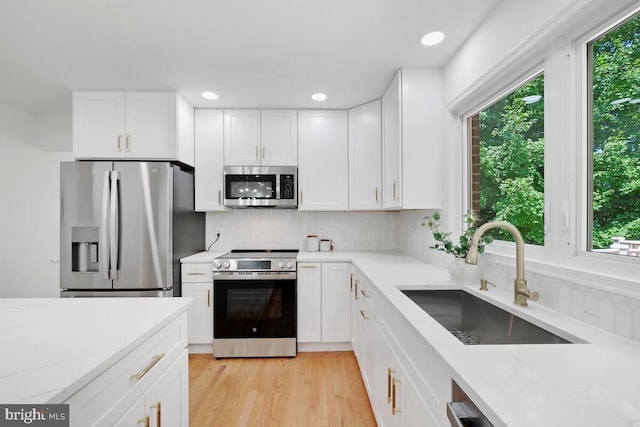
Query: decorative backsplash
[288, 228]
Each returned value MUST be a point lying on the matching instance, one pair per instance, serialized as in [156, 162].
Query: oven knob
[289, 264]
[281, 264]
[255, 329]
[227, 264]
[217, 264]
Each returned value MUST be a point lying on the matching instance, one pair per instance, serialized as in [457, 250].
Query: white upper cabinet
[209, 160]
[279, 137]
[365, 157]
[254, 138]
[133, 125]
[323, 160]
[412, 135]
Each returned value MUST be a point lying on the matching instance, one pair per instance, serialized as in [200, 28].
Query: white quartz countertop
[53, 347]
[593, 383]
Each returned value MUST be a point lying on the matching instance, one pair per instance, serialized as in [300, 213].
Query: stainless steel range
[255, 304]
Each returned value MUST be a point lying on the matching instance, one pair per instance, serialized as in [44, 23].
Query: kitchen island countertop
[53, 347]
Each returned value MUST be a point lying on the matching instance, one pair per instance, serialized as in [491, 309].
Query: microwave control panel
[287, 187]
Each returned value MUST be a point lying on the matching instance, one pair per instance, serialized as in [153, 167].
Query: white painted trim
[311, 347]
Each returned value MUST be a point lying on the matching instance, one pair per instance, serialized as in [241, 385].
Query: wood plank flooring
[309, 390]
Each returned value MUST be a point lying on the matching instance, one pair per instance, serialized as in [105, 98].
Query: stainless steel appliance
[124, 227]
[254, 304]
[261, 186]
[462, 412]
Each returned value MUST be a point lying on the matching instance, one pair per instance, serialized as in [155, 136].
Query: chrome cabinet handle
[144, 372]
[127, 147]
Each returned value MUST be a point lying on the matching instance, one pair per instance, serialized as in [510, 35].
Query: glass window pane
[614, 202]
[507, 161]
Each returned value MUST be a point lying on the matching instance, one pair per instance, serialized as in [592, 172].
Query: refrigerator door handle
[114, 225]
[104, 227]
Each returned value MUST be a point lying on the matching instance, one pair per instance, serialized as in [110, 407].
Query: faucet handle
[531, 294]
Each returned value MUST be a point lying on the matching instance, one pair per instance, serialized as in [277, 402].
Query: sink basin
[477, 322]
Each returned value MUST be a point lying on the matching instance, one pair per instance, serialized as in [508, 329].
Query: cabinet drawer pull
[155, 360]
[264, 156]
[219, 197]
[126, 144]
[390, 373]
[364, 293]
[196, 274]
[144, 421]
[394, 403]
[157, 407]
[356, 288]
[307, 266]
[119, 142]
[377, 194]
[208, 297]
[364, 315]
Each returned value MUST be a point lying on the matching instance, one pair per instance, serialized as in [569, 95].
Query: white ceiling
[253, 53]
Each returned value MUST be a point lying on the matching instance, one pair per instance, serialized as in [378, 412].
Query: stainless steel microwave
[261, 186]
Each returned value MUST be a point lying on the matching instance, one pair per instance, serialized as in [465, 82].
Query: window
[614, 138]
[507, 161]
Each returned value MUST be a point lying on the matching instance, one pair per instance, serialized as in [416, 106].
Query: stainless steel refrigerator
[124, 227]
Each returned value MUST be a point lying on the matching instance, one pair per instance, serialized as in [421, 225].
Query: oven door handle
[285, 275]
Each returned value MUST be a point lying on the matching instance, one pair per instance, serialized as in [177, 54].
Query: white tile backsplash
[287, 228]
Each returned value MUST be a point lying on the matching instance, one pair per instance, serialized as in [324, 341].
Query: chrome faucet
[521, 292]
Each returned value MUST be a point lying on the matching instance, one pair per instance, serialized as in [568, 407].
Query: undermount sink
[477, 322]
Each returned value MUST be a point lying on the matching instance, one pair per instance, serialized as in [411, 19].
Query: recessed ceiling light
[432, 38]
[318, 96]
[209, 95]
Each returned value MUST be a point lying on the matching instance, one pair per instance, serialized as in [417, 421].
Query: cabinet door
[241, 137]
[279, 137]
[323, 160]
[151, 121]
[98, 125]
[209, 160]
[390, 386]
[309, 294]
[167, 400]
[391, 145]
[355, 314]
[200, 313]
[336, 317]
[368, 361]
[365, 157]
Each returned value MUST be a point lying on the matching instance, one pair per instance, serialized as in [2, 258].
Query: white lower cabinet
[150, 381]
[166, 402]
[395, 398]
[323, 302]
[197, 283]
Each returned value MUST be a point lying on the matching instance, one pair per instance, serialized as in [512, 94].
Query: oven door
[259, 306]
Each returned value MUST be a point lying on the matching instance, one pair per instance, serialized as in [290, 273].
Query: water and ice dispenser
[84, 249]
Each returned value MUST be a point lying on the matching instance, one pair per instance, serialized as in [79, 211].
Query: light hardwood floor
[309, 390]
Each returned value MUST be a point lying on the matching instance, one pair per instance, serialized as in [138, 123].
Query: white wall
[29, 187]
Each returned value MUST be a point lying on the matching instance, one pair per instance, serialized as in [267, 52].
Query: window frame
[564, 255]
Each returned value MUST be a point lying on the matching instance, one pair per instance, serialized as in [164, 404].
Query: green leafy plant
[444, 243]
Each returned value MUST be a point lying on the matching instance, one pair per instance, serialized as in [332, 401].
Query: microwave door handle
[104, 226]
[114, 226]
